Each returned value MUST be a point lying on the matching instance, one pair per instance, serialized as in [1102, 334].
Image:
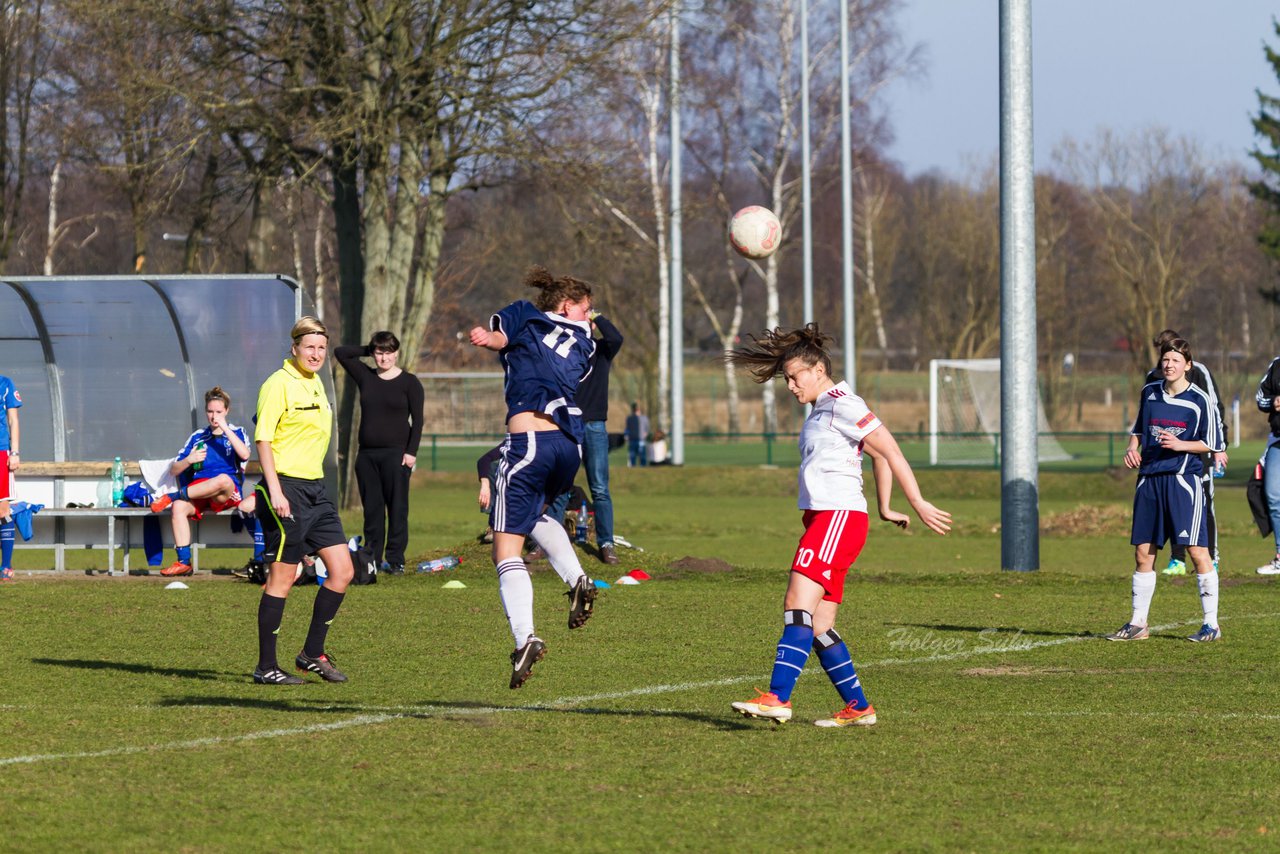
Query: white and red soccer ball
[755, 232]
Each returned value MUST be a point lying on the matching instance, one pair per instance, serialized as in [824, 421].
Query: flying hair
[767, 354]
[554, 290]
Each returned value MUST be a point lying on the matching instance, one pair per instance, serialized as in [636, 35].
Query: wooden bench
[60, 528]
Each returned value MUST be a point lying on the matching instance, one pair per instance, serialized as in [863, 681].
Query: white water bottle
[440, 564]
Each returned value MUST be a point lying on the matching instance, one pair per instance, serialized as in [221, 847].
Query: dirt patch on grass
[1089, 520]
[688, 565]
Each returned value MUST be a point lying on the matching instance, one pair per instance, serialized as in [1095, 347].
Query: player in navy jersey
[834, 436]
[1176, 424]
[545, 348]
[210, 468]
[1199, 374]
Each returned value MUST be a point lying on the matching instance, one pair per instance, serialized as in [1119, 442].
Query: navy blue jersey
[545, 359]
[1189, 416]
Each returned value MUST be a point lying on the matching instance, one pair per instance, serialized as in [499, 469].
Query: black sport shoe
[523, 659]
[255, 571]
[321, 665]
[581, 598]
[275, 676]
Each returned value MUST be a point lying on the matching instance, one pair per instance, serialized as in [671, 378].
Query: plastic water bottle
[440, 564]
[1219, 469]
[582, 523]
[117, 482]
[196, 466]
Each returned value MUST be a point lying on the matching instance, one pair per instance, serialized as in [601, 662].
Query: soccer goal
[466, 404]
[964, 415]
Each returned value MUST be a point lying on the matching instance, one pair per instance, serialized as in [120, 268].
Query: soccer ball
[755, 232]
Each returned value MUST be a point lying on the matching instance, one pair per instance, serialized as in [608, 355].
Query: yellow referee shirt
[294, 416]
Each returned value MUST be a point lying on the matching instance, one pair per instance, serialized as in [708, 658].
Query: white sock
[1208, 584]
[1144, 587]
[516, 589]
[550, 534]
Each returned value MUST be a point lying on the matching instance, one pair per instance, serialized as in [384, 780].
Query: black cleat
[255, 571]
[275, 676]
[581, 598]
[523, 659]
[322, 665]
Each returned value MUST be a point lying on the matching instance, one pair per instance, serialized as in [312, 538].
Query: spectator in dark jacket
[593, 399]
[1268, 399]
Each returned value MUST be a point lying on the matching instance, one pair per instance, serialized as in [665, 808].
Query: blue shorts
[1169, 507]
[535, 468]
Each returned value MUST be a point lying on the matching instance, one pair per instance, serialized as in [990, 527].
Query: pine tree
[1266, 125]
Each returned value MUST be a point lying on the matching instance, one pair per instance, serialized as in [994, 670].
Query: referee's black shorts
[313, 525]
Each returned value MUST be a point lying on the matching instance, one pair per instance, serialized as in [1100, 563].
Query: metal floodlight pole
[806, 188]
[677, 254]
[846, 197]
[1019, 394]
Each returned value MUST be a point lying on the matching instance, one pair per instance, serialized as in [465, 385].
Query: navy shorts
[1169, 507]
[313, 524]
[535, 468]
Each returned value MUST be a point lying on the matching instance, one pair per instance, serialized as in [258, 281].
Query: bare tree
[1149, 194]
[24, 59]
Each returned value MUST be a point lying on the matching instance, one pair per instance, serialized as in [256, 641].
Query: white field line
[398, 712]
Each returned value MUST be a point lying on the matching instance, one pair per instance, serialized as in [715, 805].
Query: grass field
[1006, 723]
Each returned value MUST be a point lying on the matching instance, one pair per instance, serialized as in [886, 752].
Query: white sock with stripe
[516, 589]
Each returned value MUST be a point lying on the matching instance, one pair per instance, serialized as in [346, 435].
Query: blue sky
[1189, 65]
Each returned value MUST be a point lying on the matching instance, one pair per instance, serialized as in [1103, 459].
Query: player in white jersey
[835, 435]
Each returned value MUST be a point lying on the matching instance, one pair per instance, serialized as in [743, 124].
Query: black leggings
[384, 491]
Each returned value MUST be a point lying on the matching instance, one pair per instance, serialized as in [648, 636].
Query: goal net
[964, 415]
[464, 407]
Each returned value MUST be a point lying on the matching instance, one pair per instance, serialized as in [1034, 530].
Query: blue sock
[835, 658]
[184, 553]
[793, 652]
[259, 547]
[7, 531]
[181, 494]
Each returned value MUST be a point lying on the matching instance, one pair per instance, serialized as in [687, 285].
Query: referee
[298, 518]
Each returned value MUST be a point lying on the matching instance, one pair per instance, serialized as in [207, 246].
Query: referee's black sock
[270, 613]
[322, 614]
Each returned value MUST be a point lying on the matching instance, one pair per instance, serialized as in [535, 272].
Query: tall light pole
[806, 189]
[1019, 395]
[846, 197]
[677, 254]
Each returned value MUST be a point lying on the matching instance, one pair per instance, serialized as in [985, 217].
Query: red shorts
[6, 477]
[831, 543]
[214, 504]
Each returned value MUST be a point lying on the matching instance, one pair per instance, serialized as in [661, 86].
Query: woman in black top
[391, 403]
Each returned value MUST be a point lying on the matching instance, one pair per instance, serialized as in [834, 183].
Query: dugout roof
[118, 365]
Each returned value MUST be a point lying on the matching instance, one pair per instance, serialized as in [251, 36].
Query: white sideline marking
[410, 711]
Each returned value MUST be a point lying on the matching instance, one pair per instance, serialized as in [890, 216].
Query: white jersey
[831, 451]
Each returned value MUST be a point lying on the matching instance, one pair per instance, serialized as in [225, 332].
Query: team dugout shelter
[118, 365]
